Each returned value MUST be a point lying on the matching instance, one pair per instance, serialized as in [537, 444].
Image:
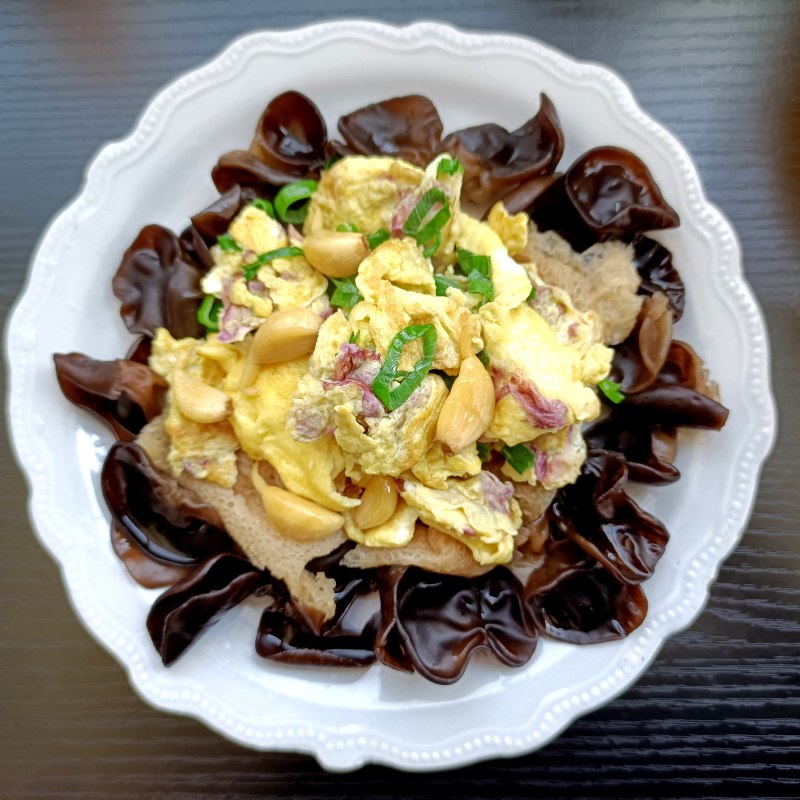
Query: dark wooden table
[718, 713]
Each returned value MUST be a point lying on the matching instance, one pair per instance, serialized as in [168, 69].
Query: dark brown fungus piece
[648, 450]
[166, 519]
[433, 623]
[124, 394]
[404, 127]
[654, 264]
[285, 632]
[216, 218]
[181, 613]
[681, 394]
[159, 285]
[639, 359]
[607, 193]
[140, 350]
[597, 514]
[586, 606]
[519, 198]
[242, 168]
[291, 136]
[147, 571]
[496, 161]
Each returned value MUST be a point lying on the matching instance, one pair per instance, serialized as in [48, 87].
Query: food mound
[404, 365]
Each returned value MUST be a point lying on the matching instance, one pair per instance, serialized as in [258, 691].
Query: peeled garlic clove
[378, 503]
[285, 335]
[336, 254]
[197, 400]
[468, 410]
[294, 516]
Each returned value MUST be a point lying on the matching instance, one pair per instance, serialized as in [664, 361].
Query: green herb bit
[469, 261]
[443, 283]
[353, 338]
[264, 205]
[377, 238]
[532, 295]
[208, 313]
[251, 270]
[347, 227]
[519, 457]
[611, 390]
[480, 284]
[391, 396]
[484, 451]
[291, 202]
[483, 357]
[425, 228]
[228, 243]
[449, 166]
[345, 295]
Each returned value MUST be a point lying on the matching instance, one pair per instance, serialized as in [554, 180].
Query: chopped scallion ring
[291, 202]
[449, 166]
[443, 283]
[347, 227]
[379, 237]
[228, 243]
[480, 284]
[250, 270]
[611, 390]
[519, 457]
[208, 313]
[264, 205]
[484, 451]
[345, 294]
[427, 229]
[469, 261]
[391, 396]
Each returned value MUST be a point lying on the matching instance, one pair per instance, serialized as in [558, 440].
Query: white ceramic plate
[160, 173]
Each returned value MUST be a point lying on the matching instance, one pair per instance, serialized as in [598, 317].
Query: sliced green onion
[394, 396]
[264, 205]
[379, 237]
[532, 295]
[347, 227]
[353, 337]
[611, 390]
[228, 243]
[345, 295]
[484, 451]
[208, 313]
[449, 166]
[291, 202]
[250, 270]
[443, 283]
[519, 457]
[483, 357]
[480, 284]
[469, 261]
[428, 234]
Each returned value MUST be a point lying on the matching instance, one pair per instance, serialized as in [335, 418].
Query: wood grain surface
[718, 713]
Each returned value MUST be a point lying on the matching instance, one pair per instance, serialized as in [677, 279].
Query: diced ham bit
[408, 202]
[470, 533]
[350, 358]
[498, 493]
[359, 366]
[544, 414]
[235, 321]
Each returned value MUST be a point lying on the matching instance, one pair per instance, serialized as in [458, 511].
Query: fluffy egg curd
[394, 364]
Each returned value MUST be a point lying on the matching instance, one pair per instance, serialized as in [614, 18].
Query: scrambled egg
[467, 511]
[317, 420]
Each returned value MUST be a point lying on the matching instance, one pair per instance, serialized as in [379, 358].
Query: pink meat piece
[359, 366]
[498, 493]
[545, 414]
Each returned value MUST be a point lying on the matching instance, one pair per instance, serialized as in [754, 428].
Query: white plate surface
[160, 173]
